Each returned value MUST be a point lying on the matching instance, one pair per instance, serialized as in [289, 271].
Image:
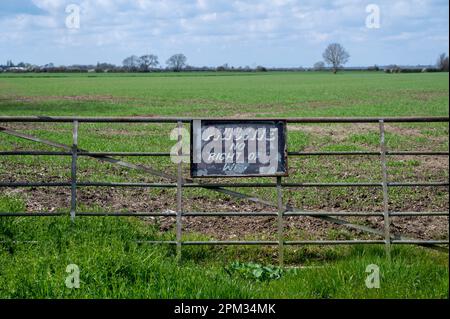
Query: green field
[113, 265]
[252, 94]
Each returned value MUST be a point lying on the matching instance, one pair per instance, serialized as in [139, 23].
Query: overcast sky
[213, 32]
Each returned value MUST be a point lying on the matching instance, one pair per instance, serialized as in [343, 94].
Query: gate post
[280, 222]
[386, 215]
[179, 193]
[73, 195]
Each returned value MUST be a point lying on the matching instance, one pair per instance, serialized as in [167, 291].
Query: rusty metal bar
[73, 189]
[387, 232]
[63, 119]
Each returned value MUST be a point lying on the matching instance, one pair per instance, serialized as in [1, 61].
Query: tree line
[334, 57]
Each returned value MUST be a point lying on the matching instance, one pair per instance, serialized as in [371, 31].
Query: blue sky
[213, 32]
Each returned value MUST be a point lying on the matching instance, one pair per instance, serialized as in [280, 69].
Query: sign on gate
[237, 148]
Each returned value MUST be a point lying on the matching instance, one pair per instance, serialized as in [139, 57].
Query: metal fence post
[73, 197]
[387, 233]
[280, 222]
[179, 192]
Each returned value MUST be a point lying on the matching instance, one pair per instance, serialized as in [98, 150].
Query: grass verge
[113, 265]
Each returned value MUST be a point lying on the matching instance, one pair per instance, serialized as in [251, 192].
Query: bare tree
[336, 56]
[131, 62]
[319, 66]
[148, 61]
[176, 62]
[442, 62]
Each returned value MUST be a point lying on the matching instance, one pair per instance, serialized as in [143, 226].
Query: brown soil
[140, 200]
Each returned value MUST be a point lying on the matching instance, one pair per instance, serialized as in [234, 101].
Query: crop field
[34, 251]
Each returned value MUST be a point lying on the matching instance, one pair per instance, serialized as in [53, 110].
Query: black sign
[238, 148]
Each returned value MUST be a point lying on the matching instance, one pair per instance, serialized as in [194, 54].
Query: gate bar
[44, 119]
[387, 232]
[73, 192]
[165, 154]
[179, 192]
[218, 185]
[229, 214]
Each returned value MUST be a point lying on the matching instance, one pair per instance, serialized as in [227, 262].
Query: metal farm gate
[179, 182]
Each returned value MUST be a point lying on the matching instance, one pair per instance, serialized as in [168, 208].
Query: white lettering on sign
[240, 148]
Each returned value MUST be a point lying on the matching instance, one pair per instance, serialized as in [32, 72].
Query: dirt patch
[407, 131]
[426, 96]
[341, 132]
[436, 163]
[338, 133]
[221, 228]
[320, 104]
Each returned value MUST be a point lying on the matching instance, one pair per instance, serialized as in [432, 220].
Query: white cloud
[176, 24]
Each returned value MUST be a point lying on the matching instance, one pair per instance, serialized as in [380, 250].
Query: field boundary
[179, 182]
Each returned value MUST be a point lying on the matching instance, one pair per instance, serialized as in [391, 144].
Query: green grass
[113, 265]
[280, 94]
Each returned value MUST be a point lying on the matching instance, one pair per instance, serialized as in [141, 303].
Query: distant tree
[261, 68]
[9, 63]
[224, 67]
[176, 62]
[336, 56]
[148, 62]
[392, 69]
[442, 62]
[319, 66]
[104, 67]
[132, 62]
